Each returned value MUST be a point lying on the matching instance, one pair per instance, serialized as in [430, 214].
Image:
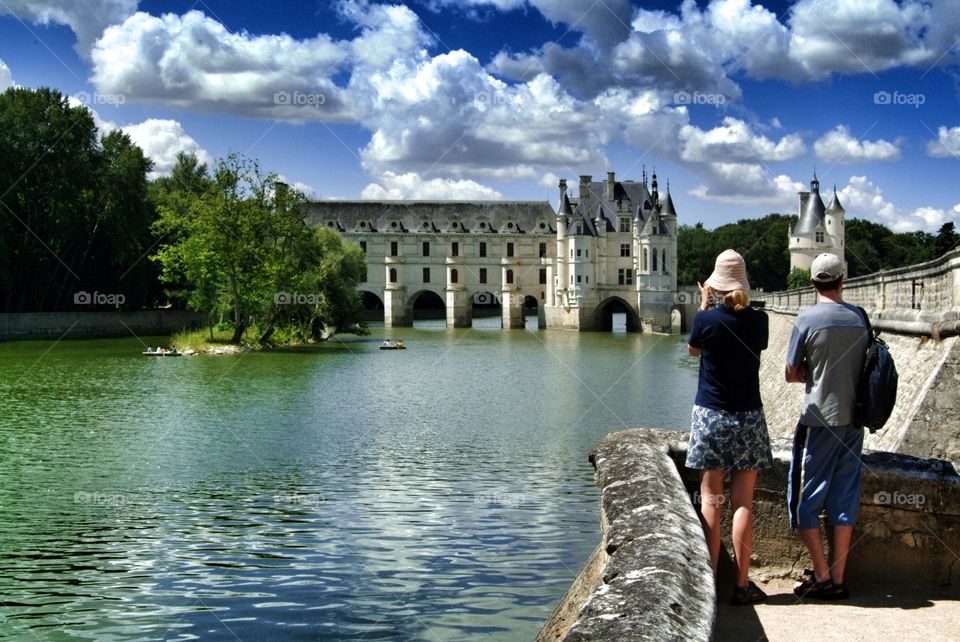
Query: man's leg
[839, 549]
[843, 501]
[811, 538]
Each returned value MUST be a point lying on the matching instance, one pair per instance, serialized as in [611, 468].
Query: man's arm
[694, 352]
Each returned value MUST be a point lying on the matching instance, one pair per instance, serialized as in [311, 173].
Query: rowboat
[161, 353]
[393, 345]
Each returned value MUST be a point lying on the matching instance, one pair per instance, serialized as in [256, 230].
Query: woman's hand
[704, 295]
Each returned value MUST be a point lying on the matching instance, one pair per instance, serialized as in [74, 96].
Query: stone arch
[426, 304]
[614, 304]
[373, 308]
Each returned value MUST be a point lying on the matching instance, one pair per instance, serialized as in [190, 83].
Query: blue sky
[735, 102]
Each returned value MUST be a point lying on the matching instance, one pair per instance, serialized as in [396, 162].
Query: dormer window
[510, 225]
[819, 236]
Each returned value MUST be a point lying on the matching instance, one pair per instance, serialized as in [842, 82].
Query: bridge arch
[612, 305]
[426, 304]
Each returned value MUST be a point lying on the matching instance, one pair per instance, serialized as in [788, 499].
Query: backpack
[877, 387]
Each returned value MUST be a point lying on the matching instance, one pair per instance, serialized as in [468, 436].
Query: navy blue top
[730, 364]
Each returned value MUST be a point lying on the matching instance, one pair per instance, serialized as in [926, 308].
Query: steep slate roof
[835, 202]
[668, 209]
[523, 217]
[811, 213]
[630, 199]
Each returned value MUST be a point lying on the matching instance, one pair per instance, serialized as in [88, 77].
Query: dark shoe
[749, 594]
[840, 592]
[817, 590]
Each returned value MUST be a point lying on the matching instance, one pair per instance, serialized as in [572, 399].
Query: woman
[728, 429]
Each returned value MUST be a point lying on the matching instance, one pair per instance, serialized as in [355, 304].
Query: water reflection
[337, 492]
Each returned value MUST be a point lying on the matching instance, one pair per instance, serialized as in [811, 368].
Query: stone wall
[83, 325]
[650, 579]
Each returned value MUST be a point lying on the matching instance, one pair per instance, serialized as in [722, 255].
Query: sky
[735, 103]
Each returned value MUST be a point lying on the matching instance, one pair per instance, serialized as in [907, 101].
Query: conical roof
[835, 202]
[811, 214]
[565, 209]
[668, 209]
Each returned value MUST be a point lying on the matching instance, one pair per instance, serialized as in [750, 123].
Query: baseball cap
[826, 267]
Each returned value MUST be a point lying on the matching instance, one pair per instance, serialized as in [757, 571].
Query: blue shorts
[825, 475]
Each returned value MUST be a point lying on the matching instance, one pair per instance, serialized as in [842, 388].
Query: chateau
[610, 248]
[819, 228]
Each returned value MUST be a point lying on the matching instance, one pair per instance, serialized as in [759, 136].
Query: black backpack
[877, 387]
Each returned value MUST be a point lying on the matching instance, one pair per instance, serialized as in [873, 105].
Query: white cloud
[736, 141]
[862, 199]
[162, 140]
[947, 144]
[6, 76]
[411, 186]
[300, 186]
[748, 184]
[838, 146]
[194, 61]
[87, 19]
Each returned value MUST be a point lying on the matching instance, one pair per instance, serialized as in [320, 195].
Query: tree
[798, 278]
[946, 240]
[239, 244]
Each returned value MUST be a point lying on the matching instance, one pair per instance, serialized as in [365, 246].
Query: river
[331, 492]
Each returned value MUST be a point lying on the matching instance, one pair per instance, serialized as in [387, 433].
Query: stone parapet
[651, 578]
[18, 326]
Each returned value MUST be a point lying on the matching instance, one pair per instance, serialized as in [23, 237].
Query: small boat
[393, 345]
[161, 353]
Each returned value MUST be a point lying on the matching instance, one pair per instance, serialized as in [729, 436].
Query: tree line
[763, 243]
[82, 227]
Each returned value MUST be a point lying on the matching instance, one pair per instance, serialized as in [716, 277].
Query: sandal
[749, 594]
[840, 592]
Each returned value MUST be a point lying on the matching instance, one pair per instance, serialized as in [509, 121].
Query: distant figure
[728, 429]
[825, 353]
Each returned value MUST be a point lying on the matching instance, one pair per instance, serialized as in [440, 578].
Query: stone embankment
[650, 578]
[25, 326]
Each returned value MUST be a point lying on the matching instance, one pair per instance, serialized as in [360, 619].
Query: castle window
[510, 276]
[483, 250]
[483, 275]
[363, 223]
[454, 276]
[819, 236]
[510, 226]
[543, 250]
[654, 260]
[543, 277]
[625, 276]
[393, 248]
[393, 275]
[426, 225]
[455, 249]
[624, 249]
[364, 279]
[393, 224]
[363, 246]
[579, 279]
[624, 224]
[663, 262]
[426, 248]
[644, 259]
[509, 249]
[426, 275]
[578, 251]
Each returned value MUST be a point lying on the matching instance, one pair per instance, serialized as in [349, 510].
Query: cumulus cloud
[162, 140]
[411, 186]
[863, 199]
[194, 61]
[838, 146]
[6, 76]
[733, 141]
[87, 19]
[947, 144]
[748, 184]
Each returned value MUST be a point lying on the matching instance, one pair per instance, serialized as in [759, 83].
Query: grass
[200, 340]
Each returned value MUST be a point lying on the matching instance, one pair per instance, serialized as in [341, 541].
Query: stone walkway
[872, 614]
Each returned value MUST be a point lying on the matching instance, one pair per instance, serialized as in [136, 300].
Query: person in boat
[399, 343]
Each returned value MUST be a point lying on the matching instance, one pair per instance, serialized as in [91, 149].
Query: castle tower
[818, 228]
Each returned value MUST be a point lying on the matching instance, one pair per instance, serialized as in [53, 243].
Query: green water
[334, 492]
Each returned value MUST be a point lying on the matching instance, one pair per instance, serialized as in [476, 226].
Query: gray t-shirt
[832, 338]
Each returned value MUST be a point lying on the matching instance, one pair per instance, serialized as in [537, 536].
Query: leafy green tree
[239, 244]
[798, 278]
[946, 240]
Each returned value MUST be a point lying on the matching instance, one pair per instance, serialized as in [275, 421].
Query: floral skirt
[728, 440]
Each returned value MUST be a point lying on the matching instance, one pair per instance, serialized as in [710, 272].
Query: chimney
[584, 187]
[611, 186]
[563, 190]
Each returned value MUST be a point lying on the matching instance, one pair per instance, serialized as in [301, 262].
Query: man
[826, 354]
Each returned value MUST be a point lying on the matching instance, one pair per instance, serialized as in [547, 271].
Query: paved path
[873, 613]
